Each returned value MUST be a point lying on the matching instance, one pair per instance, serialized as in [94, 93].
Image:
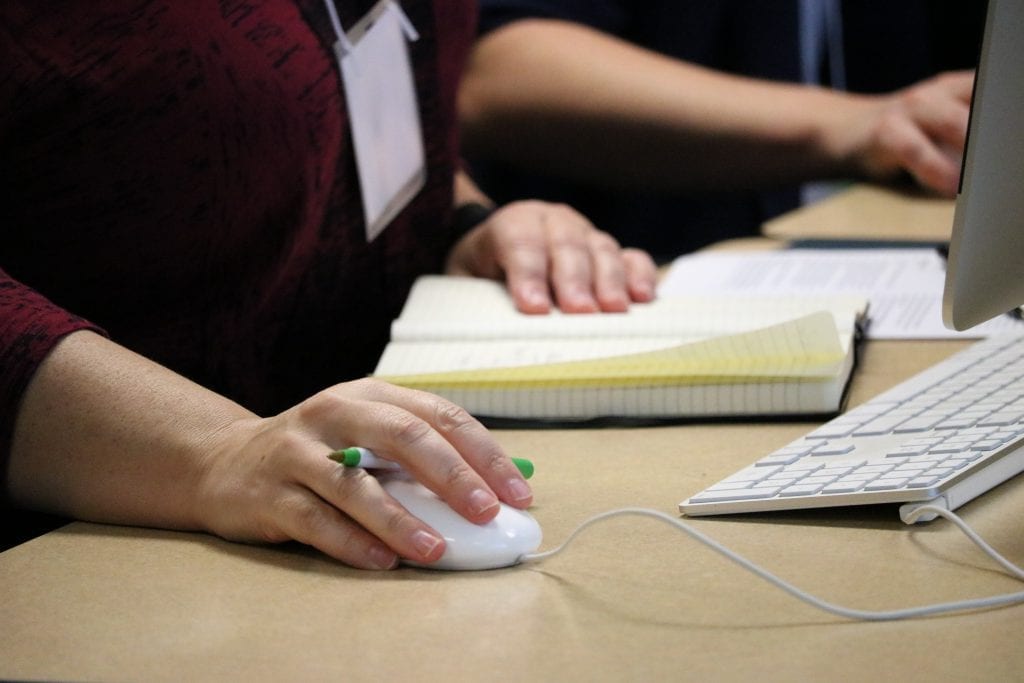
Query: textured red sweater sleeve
[30, 326]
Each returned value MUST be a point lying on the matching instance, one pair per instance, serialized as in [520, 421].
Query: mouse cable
[868, 615]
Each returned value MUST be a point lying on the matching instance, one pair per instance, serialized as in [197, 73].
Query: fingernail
[425, 543]
[481, 501]
[519, 490]
[616, 304]
[583, 299]
[382, 557]
[535, 297]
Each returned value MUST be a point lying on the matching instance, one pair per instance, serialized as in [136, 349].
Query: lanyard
[343, 45]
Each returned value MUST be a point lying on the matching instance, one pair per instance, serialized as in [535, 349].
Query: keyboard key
[874, 469]
[980, 432]
[778, 482]
[871, 408]
[801, 490]
[880, 425]
[886, 484]
[946, 448]
[957, 439]
[1001, 419]
[958, 422]
[921, 423]
[753, 474]
[927, 458]
[843, 486]
[834, 430]
[908, 450]
[806, 465]
[923, 441]
[834, 448]
[778, 459]
[730, 486]
[725, 496]
[802, 448]
[835, 471]
[940, 472]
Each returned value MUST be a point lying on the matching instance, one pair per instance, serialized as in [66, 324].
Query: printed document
[902, 285]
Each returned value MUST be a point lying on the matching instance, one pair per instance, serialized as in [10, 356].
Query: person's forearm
[103, 434]
[548, 94]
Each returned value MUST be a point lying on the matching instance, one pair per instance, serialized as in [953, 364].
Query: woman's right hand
[270, 480]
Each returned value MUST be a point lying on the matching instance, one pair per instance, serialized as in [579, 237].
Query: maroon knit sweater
[180, 176]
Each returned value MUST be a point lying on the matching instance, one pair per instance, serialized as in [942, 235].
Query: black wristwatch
[467, 216]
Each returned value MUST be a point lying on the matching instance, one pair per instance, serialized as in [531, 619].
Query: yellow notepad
[675, 357]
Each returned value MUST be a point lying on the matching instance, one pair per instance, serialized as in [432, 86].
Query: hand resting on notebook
[540, 248]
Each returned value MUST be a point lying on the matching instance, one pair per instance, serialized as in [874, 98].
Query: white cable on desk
[924, 610]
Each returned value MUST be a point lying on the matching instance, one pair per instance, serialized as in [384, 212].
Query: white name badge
[383, 114]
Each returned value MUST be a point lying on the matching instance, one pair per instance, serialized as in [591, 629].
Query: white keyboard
[942, 437]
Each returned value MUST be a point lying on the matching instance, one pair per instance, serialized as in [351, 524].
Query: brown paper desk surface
[631, 600]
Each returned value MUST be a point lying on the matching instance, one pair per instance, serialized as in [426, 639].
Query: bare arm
[103, 434]
[549, 94]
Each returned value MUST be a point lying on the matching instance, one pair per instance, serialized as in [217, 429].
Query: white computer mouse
[498, 543]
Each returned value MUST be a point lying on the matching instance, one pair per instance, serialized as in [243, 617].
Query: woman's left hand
[543, 250]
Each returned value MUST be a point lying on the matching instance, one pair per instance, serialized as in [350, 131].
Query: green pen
[356, 456]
